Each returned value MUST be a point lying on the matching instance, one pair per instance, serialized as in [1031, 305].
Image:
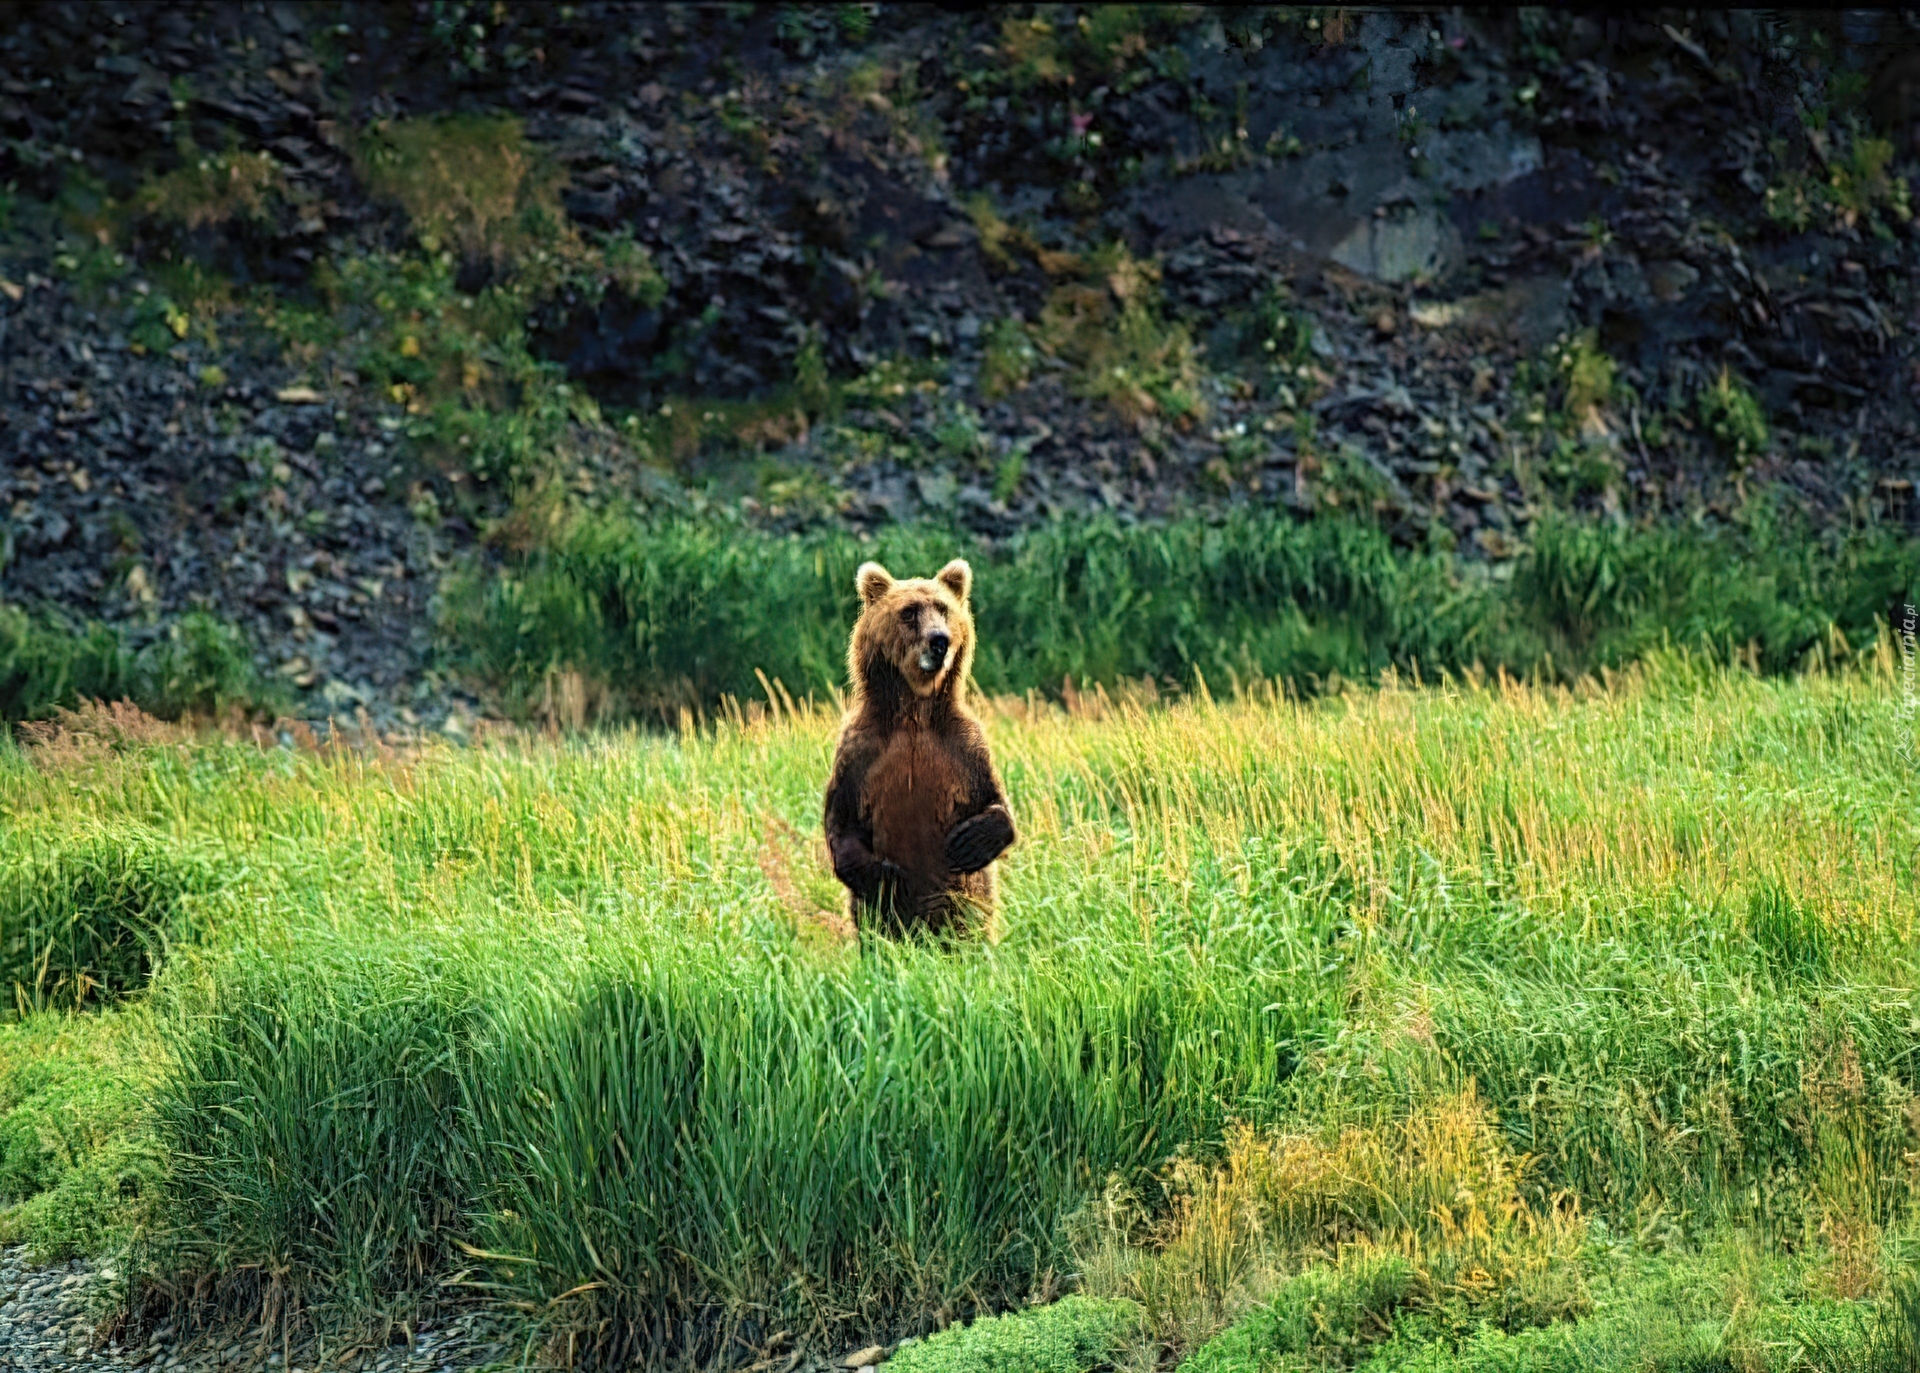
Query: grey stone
[1407, 243]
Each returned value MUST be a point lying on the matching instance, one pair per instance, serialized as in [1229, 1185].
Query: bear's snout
[933, 649]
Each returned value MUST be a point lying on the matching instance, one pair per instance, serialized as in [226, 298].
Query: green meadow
[1466, 1024]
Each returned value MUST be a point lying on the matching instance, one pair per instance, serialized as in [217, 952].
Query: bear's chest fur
[913, 797]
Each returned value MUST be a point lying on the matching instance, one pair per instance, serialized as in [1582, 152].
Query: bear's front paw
[878, 883]
[974, 843]
[886, 879]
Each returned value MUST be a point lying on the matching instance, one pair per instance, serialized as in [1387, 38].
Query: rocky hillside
[303, 306]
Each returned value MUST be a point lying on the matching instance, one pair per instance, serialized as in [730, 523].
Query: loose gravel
[64, 1317]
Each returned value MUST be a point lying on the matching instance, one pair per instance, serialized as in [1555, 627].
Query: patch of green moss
[1070, 1336]
[1734, 416]
[1325, 1317]
[1106, 322]
[211, 189]
[78, 1168]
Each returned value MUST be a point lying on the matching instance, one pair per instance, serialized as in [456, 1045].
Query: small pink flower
[1080, 123]
[1458, 41]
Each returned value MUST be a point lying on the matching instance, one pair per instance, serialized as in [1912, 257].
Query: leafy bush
[1630, 1343]
[1072, 1335]
[1684, 1321]
[1858, 189]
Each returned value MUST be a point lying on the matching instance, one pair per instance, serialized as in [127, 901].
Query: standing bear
[915, 814]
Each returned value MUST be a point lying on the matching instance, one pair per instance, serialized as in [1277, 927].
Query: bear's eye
[910, 616]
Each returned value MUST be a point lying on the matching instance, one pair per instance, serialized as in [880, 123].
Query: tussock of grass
[470, 183]
[211, 189]
[683, 1115]
[1431, 1209]
[92, 915]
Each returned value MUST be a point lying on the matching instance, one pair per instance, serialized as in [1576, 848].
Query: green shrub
[1322, 1317]
[1072, 1335]
[1638, 1343]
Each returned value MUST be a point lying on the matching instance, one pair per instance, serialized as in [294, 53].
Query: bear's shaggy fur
[915, 814]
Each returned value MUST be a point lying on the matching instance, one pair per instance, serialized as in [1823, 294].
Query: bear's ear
[956, 577]
[874, 582]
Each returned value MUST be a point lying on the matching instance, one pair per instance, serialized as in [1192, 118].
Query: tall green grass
[657, 615]
[197, 665]
[708, 1121]
[570, 1024]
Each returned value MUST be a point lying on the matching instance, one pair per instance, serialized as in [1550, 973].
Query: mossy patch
[213, 189]
[77, 1169]
[1733, 415]
[1070, 1336]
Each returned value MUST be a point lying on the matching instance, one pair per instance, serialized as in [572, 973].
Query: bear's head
[919, 630]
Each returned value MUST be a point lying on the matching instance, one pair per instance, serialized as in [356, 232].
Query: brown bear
[915, 814]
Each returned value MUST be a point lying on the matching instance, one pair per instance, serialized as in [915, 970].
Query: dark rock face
[1435, 203]
[131, 490]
